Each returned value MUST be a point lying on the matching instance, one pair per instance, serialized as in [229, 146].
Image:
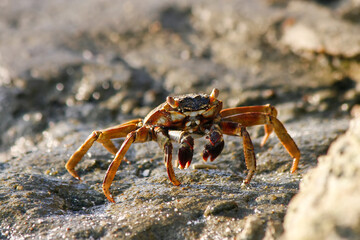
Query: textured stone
[327, 205]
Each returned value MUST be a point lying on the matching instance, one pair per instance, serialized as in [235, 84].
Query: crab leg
[261, 108]
[268, 109]
[102, 136]
[249, 154]
[164, 142]
[232, 128]
[255, 118]
[140, 135]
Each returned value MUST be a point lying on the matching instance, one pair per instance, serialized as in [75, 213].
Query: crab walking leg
[251, 119]
[233, 128]
[165, 143]
[168, 163]
[268, 109]
[249, 154]
[80, 152]
[261, 109]
[141, 135]
[102, 136]
[111, 172]
[268, 130]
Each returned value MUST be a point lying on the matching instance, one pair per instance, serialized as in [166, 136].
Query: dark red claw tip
[205, 155]
[185, 156]
[213, 151]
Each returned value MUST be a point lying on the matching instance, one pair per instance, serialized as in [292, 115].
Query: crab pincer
[215, 145]
[186, 151]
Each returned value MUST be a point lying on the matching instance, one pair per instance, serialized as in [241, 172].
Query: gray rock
[327, 205]
[311, 28]
[349, 10]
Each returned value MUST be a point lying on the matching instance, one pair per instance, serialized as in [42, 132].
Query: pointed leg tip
[74, 174]
[264, 140]
[246, 182]
[176, 182]
[77, 177]
[295, 164]
[109, 197]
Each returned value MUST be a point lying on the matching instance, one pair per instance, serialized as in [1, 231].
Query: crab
[181, 119]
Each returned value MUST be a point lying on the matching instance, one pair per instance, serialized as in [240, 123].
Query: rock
[349, 10]
[252, 228]
[307, 31]
[218, 208]
[69, 69]
[327, 205]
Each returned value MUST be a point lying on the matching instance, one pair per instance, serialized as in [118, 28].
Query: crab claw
[186, 151]
[214, 147]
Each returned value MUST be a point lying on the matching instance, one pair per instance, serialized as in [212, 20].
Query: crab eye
[172, 102]
[214, 94]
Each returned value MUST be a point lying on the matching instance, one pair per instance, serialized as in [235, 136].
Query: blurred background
[103, 60]
[70, 67]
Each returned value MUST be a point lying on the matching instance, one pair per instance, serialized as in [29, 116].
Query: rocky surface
[327, 203]
[66, 70]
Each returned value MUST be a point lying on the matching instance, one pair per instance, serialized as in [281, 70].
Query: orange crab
[181, 118]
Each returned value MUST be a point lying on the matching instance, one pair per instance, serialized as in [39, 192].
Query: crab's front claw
[186, 152]
[214, 147]
[212, 151]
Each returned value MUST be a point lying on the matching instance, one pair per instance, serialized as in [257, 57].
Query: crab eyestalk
[215, 145]
[214, 94]
[172, 102]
